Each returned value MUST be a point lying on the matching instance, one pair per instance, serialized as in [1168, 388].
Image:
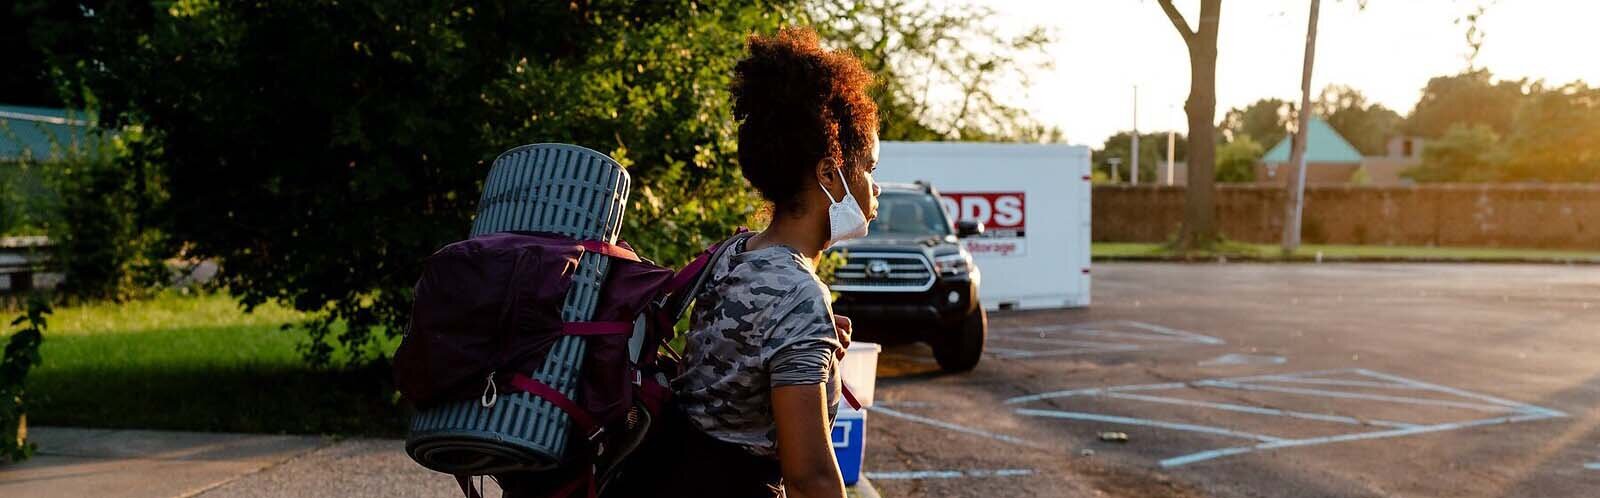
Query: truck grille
[883, 272]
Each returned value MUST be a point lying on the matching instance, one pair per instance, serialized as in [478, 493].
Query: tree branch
[1177, 21]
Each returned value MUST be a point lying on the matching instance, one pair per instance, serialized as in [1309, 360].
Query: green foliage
[1469, 98]
[1466, 153]
[21, 355]
[1152, 152]
[110, 244]
[1556, 136]
[828, 264]
[1266, 121]
[1236, 160]
[333, 145]
[1364, 124]
[1367, 126]
[941, 69]
[27, 203]
[26, 78]
[1360, 176]
[325, 188]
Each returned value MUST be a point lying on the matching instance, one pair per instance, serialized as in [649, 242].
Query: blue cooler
[849, 442]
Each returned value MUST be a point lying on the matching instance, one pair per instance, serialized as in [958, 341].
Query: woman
[755, 404]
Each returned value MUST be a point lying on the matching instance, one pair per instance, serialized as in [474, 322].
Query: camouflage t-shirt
[762, 321]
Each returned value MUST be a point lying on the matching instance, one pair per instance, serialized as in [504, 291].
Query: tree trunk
[1199, 209]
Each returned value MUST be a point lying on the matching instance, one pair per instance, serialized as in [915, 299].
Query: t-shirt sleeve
[800, 348]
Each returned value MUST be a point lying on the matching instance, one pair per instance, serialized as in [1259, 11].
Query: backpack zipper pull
[491, 393]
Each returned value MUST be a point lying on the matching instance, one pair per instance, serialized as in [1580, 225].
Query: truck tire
[960, 349]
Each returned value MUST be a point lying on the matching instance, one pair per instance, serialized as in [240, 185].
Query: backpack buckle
[594, 439]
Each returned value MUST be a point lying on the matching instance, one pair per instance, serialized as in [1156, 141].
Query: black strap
[466, 487]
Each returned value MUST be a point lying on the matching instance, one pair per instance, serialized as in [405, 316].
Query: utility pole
[1295, 207]
[1135, 176]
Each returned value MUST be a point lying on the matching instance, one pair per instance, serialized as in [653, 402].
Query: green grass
[1270, 252]
[199, 363]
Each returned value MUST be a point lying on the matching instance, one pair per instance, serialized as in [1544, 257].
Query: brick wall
[1464, 215]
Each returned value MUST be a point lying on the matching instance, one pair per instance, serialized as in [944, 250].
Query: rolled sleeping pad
[554, 188]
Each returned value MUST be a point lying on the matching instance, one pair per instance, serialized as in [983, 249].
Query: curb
[862, 489]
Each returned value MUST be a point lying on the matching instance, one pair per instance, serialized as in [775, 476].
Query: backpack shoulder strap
[693, 276]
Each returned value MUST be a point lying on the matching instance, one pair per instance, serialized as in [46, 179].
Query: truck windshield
[908, 214]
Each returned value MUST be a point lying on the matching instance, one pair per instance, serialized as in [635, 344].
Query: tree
[1236, 160]
[1466, 153]
[1553, 137]
[1199, 210]
[940, 69]
[1266, 121]
[1367, 126]
[320, 150]
[1152, 152]
[26, 78]
[1468, 98]
[1551, 140]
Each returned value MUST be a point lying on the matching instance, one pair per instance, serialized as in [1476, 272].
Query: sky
[1387, 51]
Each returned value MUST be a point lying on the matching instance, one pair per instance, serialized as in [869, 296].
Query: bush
[27, 203]
[21, 354]
[1236, 160]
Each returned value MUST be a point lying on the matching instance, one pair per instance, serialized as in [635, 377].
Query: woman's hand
[842, 328]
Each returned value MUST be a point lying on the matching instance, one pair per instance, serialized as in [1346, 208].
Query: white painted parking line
[1171, 331]
[1111, 336]
[1093, 390]
[1066, 342]
[1452, 390]
[1289, 443]
[1338, 382]
[1350, 395]
[1244, 359]
[958, 428]
[947, 474]
[1093, 417]
[1331, 379]
[903, 403]
[1261, 411]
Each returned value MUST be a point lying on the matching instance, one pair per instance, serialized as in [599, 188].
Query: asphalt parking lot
[1345, 380]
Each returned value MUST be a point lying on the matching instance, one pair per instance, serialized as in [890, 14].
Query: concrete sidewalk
[108, 463]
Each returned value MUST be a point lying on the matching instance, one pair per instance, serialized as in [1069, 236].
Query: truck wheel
[960, 349]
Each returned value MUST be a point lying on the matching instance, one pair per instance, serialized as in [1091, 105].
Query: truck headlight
[953, 264]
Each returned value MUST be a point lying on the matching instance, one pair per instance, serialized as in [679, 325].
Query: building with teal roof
[42, 134]
[1331, 159]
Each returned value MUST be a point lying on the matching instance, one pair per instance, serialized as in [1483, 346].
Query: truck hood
[902, 243]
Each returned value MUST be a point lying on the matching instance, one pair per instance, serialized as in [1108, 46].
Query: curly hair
[798, 104]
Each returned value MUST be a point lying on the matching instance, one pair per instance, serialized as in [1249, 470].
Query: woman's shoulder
[776, 271]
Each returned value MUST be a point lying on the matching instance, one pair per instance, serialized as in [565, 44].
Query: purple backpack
[486, 316]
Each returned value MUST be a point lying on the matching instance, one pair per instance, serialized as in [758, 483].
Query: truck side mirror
[968, 228]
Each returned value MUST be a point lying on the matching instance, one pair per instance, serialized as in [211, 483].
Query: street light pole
[1295, 206]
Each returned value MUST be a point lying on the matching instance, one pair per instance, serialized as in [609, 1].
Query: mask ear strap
[842, 181]
[830, 194]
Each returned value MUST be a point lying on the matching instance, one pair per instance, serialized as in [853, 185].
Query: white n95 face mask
[845, 219]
